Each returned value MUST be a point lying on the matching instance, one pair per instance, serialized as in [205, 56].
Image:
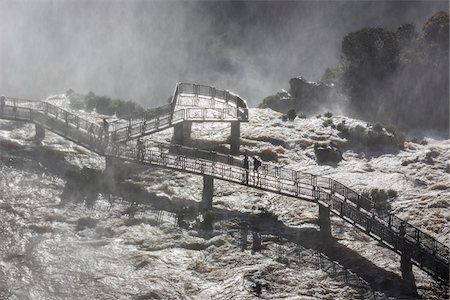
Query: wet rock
[304, 95]
[409, 161]
[327, 153]
[87, 222]
[420, 182]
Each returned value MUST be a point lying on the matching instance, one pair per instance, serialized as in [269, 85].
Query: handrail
[334, 186]
[145, 115]
[425, 251]
[217, 99]
[167, 119]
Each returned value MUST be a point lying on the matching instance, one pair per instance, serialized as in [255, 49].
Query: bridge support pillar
[324, 221]
[181, 133]
[256, 245]
[407, 274]
[208, 191]
[39, 133]
[235, 137]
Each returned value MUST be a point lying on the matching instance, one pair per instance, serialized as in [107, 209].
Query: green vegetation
[399, 77]
[274, 101]
[268, 155]
[327, 153]
[376, 137]
[327, 122]
[382, 199]
[103, 105]
[291, 114]
[421, 142]
[327, 115]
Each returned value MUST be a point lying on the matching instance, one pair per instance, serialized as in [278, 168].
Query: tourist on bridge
[402, 228]
[91, 132]
[2, 104]
[140, 150]
[256, 165]
[246, 167]
[100, 133]
[106, 129]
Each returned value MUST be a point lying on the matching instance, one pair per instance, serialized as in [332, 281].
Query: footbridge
[414, 246]
[190, 103]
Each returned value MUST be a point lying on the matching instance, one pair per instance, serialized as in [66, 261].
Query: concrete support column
[243, 238]
[208, 191]
[235, 137]
[407, 274]
[256, 245]
[39, 133]
[181, 133]
[324, 221]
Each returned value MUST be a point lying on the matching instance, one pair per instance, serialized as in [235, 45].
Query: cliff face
[304, 95]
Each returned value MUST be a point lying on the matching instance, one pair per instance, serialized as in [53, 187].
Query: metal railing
[149, 126]
[195, 95]
[428, 254]
[58, 120]
[190, 102]
[141, 117]
[425, 251]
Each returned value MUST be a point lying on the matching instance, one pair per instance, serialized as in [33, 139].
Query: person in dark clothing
[245, 165]
[106, 129]
[2, 104]
[91, 132]
[402, 228]
[256, 165]
[140, 150]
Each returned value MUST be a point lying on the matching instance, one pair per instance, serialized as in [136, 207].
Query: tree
[370, 56]
[436, 30]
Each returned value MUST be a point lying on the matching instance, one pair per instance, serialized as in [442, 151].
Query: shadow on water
[89, 183]
[85, 185]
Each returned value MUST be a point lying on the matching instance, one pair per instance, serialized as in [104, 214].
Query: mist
[139, 50]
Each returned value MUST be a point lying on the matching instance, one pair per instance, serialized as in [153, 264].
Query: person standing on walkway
[91, 132]
[245, 165]
[106, 129]
[2, 104]
[402, 228]
[140, 150]
[256, 165]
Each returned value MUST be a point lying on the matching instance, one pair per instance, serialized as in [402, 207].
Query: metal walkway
[190, 103]
[424, 251]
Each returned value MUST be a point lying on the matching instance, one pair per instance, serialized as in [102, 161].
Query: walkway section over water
[190, 103]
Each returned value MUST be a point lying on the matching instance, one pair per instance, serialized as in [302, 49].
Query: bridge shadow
[187, 211]
[86, 184]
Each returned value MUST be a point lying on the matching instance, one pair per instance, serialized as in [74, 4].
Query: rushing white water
[57, 249]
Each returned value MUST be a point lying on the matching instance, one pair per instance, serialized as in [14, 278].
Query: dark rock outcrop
[304, 95]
